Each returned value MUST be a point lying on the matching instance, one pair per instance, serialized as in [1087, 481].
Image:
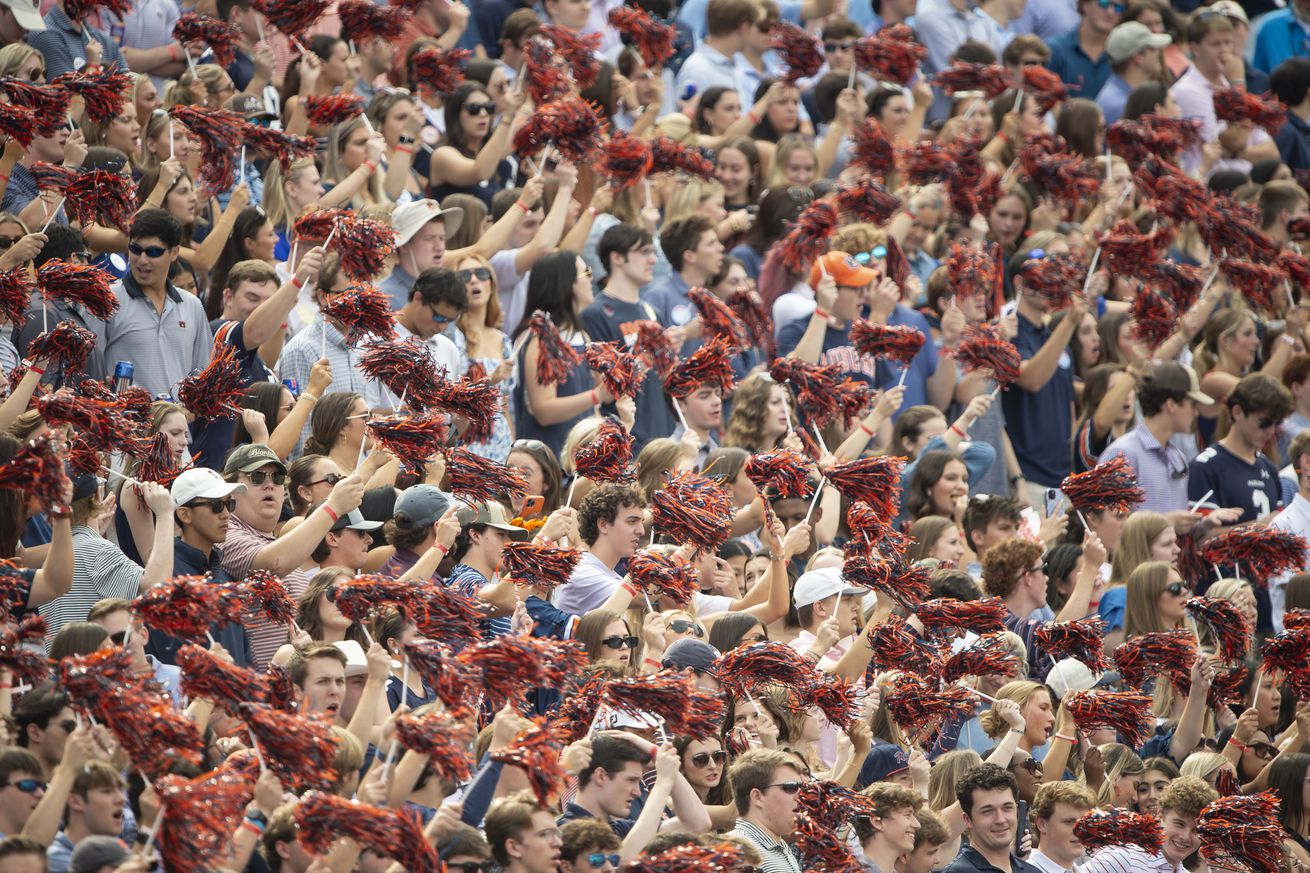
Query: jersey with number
[1234, 482]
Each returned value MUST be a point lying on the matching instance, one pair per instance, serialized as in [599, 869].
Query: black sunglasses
[215, 505]
[7, 242]
[597, 859]
[482, 274]
[1264, 751]
[259, 477]
[681, 627]
[148, 251]
[1177, 588]
[788, 787]
[1264, 423]
[476, 109]
[330, 479]
[620, 642]
[1032, 765]
[701, 759]
[69, 725]
[468, 867]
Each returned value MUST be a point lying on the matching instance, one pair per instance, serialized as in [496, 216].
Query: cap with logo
[251, 457]
[489, 513]
[251, 106]
[696, 654]
[199, 483]
[420, 506]
[844, 270]
[819, 585]
[408, 218]
[883, 760]
[1230, 9]
[1131, 37]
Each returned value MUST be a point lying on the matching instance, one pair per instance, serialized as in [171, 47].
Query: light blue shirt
[1281, 36]
[692, 13]
[707, 67]
[1047, 18]
[941, 27]
[1113, 96]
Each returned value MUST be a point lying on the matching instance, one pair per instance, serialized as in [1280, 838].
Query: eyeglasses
[482, 274]
[148, 251]
[599, 859]
[468, 867]
[216, 505]
[259, 477]
[1264, 423]
[476, 109]
[788, 787]
[874, 254]
[620, 642]
[329, 479]
[701, 759]
[1264, 751]
[1178, 588]
[682, 627]
[527, 445]
[438, 318]
[27, 786]
[357, 416]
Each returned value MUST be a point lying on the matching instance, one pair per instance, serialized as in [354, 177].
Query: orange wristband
[819, 312]
[295, 280]
[406, 150]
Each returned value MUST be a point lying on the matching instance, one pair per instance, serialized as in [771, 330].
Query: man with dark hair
[1290, 83]
[44, 721]
[888, 833]
[255, 306]
[160, 329]
[484, 531]
[253, 59]
[515, 30]
[22, 855]
[588, 846]
[66, 244]
[1168, 396]
[609, 784]
[764, 786]
[523, 835]
[436, 300]
[415, 527]
[1180, 804]
[611, 523]
[988, 520]
[95, 809]
[28, 803]
[1079, 57]
[989, 800]
[695, 253]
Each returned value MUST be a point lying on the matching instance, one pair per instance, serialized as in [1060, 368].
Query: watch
[406, 139]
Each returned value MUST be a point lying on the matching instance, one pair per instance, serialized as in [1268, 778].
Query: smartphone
[1052, 500]
[1023, 827]
[532, 506]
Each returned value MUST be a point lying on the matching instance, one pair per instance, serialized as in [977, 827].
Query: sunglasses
[1264, 423]
[1264, 751]
[701, 759]
[69, 725]
[7, 242]
[682, 627]
[27, 786]
[259, 477]
[1111, 4]
[1032, 765]
[620, 642]
[148, 251]
[528, 445]
[476, 109]
[329, 479]
[216, 505]
[438, 318]
[757, 638]
[599, 859]
[1178, 588]
[482, 274]
[468, 867]
[877, 253]
[788, 787]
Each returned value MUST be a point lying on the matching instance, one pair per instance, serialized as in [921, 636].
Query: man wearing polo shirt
[66, 44]
[420, 244]
[764, 786]
[989, 799]
[1168, 396]
[437, 297]
[1054, 810]
[1039, 407]
[728, 24]
[1079, 57]
[162, 330]
[1136, 57]
[1281, 35]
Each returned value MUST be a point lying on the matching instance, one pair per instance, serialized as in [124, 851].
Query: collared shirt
[100, 570]
[707, 67]
[57, 310]
[942, 27]
[1047, 18]
[1045, 864]
[304, 349]
[970, 860]
[1161, 469]
[22, 190]
[191, 561]
[588, 588]
[1113, 96]
[397, 286]
[164, 346]
[1281, 36]
[63, 45]
[1294, 519]
[777, 856]
[1084, 75]
[443, 351]
[573, 812]
[150, 25]
[1293, 141]
[706, 446]
[1128, 859]
[59, 853]
[243, 544]
[1194, 94]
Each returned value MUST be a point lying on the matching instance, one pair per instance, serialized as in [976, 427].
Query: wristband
[4, 685]
[63, 512]
[404, 150]
[1003, 136]
[372, 167]
[37, 371]
[313, 397]
[1235, 744]
[172, 52]
[521, 205]
[652, 662]
[591, 210]
[864, 427]
[909, 213]
[1068, 739]
[654, 752]
[819, 312]
[1016, 730]
[445, 550]
[630, 588]
[332, 515]
[956, 430]
[595, 398]
[754, 119]
[4, 176]
[251, 827]
[295, 280]
[546, 541]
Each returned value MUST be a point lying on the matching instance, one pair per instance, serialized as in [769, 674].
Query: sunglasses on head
[681, 626]
[27, 786]
[788, 787]
[482, 274]
[476, 109]
[599, 859]
[527, 445]
[876, 253]
[620, 642]
[701, 759]
[148, 251]
[1178, 588]
[216, 505]
[259, 477]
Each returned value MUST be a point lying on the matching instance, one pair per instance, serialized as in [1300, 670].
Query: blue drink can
[123, 372]
[293, 386]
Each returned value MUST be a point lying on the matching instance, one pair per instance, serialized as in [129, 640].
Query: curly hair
[1005, 563]
[984, 777]
[887, 797]
[750, 405]
[1187, 795]
[604, 504]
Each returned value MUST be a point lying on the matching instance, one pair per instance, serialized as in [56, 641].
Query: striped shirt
[778, 856]
[239, 550]
[100, 570]
[1162, 470]
[63, 45]
[1128, 859]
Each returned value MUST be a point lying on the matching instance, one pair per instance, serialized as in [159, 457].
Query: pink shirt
[243, 543]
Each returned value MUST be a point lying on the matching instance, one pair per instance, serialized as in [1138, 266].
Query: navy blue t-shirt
[1040, 423]
[837, 350]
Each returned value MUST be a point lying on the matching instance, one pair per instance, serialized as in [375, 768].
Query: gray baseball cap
[92, 853]
[420, 506]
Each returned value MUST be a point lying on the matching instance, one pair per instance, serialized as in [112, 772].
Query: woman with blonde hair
[206, 85]
[483, 344]
[705, 197]
[1207, 766]
[287, 196]
[655, 461]
[1156, 594]
[1229, 349]
[353, 151]
[1239, 593]
[1123, 768]
[1035, 706]
[1146, 536]
[795, 162]
[20, 61]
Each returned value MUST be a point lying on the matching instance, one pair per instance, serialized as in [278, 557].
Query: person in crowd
[1180, 804]
[611, 525]
[1054, 811]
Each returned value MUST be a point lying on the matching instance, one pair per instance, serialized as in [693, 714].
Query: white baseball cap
[199, 483]
[356, 660]
[819, 585]
[26, 13]
[1072, 674]
[408, 218]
